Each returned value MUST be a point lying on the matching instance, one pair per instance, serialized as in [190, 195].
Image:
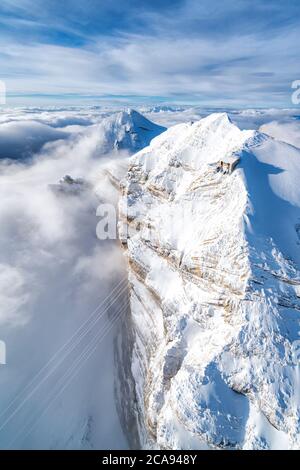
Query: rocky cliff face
[214, 280]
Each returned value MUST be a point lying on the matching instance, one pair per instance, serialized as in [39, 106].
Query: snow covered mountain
[126, 130]
[210, 220]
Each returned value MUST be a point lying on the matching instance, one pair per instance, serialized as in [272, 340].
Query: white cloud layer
[54, 272]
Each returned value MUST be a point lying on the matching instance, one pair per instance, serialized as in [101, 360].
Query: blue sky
[218, 53]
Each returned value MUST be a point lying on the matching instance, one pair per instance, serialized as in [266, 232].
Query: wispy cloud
[237, 52]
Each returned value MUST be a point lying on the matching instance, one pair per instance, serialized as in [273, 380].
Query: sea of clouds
[54, 274]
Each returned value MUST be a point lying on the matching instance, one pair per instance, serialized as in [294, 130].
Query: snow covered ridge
[214, 274]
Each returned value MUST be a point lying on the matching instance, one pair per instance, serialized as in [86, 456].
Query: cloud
[13, 295]
[208, 71]
[250, 118]
[21, 139]
[54, 273]
[229, 52]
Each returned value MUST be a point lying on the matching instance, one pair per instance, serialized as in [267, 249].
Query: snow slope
[214, 288]
[288, 131]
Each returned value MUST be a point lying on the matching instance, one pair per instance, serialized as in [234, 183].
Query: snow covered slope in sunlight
[210, 219]
[288, 132]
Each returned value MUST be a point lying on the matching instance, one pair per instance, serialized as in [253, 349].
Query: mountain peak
[218, 117]
[198, 143]
[126, 130]
[137, 121]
